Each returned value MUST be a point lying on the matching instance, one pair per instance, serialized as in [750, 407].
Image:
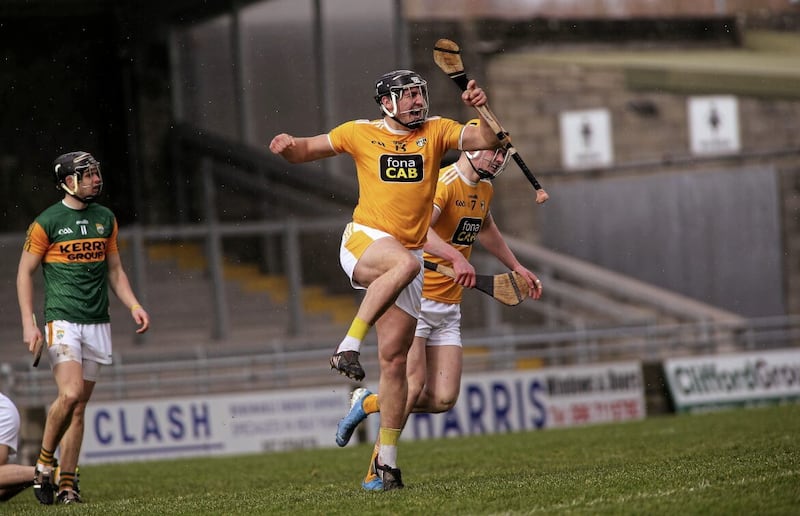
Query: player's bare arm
[482, 136]
[465, 272]
[119, 284]
[28, 264]
[492, 240]
[301, 149]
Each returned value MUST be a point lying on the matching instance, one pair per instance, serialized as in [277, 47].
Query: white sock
[349, 344]
[387, 455]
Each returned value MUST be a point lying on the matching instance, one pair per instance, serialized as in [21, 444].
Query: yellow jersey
[397, 172]
[463, 206]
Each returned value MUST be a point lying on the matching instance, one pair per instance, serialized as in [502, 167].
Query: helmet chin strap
[74, 193]
[411, 125]
[393, 114]
[481, 173]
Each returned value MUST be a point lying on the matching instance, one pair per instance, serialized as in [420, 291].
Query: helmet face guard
[488, 164]
[398, 84]
[77, 165]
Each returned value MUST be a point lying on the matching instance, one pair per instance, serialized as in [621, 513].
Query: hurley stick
[510, 288]
[37, 348]
[447, 56]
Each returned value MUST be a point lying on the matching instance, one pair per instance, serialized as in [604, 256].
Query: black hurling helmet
[393, 85]
[75, 164]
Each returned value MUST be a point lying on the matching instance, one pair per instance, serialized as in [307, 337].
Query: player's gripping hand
[474, 96]
[464, 271]
[31, 335]
[534, 283]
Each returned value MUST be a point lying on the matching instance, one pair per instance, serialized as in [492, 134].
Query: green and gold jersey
[73, 245]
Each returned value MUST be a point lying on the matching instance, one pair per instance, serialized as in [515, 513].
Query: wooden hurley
[510, 288]
[447, 56]
[37, 348]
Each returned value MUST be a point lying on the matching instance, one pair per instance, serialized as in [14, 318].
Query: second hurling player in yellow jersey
[397, 159]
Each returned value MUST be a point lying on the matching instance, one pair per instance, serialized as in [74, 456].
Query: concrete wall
[531, 84]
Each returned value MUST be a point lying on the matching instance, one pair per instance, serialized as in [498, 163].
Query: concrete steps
[177, 293]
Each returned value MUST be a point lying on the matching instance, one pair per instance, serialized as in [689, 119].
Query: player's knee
[440, 406]
[409, 267]
[69, 400]
[79, 410]
[447, 404]
[393, 365]
[444, 403]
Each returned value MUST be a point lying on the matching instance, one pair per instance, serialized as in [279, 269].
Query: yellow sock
[358, 329]
[389, 436]
[352, 341]
[370, 404]
[387, 455]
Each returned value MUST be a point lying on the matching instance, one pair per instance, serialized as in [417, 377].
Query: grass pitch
[744, 461]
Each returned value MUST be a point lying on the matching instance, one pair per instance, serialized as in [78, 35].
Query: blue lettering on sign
[476, 404]
[501, 400]
[158, 424]
[102, 416]
[451, 424]
[126, 437]
[174, 414]
[201, 420]
[150, 425]
[541, 420]
[496, 407]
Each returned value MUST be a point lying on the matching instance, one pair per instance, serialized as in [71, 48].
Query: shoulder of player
[361, 126]
[54, 208]
[51, 214]
[437, 121]
[100, 209]
[359, 122]
[442, 127]
[448, 175]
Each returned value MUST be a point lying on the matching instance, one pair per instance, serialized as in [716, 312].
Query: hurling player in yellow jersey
[397, 160]
[460, 216]
[75, 242]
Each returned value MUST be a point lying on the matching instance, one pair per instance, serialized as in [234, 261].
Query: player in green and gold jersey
[75, 242]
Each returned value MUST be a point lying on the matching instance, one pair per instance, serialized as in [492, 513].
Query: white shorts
[9, 424]
[440, 323]
[355, 240]
[87, 344]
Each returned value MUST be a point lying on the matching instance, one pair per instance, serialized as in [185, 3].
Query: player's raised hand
[282, 142]
[474, 96]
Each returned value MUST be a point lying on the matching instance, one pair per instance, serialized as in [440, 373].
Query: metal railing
[283, 367]
[588, 314]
